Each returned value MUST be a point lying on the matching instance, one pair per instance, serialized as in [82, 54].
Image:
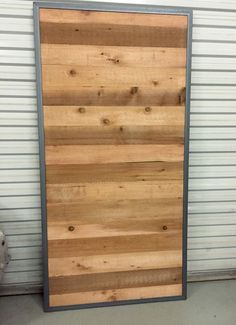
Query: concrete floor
[208, 303]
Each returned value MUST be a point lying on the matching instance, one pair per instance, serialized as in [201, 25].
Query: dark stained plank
[114, 245]
[114, 280]
[98, 210]
[112, 35]
[96, 135]
[108, 96]
[123, 172]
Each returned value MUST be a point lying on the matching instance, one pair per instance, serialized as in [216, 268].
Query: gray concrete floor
[208, 303]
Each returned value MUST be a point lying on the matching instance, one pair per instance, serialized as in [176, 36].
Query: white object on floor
[4, 257]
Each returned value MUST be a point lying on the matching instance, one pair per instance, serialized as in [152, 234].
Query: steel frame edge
[109, 7]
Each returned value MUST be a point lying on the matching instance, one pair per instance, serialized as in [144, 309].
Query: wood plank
[59, 193]
[111, 96]
[68, 77]
[107, 116]
[113, 56]
[113, 227]
[114, 280]
[123, 172]
[115, 295]
[90, 154]
[112, 34]
[89, 17]
[114, 245]
[100, 210]
[110, 263]
[69, 135]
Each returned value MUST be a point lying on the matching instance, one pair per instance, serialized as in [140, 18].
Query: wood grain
[114, 96]
[112, 35]
[114, 244]
[114, 280]
[90, 154]
[118, 262]
[113, 91]
[87, 17]
[107, 116]
[126, 209]
[116, 295]
[122, 172]
[113, 56]
[58, 193]
[66, 135]
[68, 77]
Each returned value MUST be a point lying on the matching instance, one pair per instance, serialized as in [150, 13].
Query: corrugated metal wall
[212, 196]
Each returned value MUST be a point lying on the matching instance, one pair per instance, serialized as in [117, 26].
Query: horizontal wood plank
[68, 77]
[111, 263]
[112, 34]
[129, 209]
[58, 193]
[116, 18]
[114, 96]
[107, 116]
[123, 172]
[113, 56]
[114, 280]
[116, 226]
[97, 135]
[115, 295]
[114, 245]
[90, 154]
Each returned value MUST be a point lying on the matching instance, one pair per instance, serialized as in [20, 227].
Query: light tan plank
[89, 17]
[106, 116]
[59, 193]
[71, 76]
[113, 227]
[116, 295]
[91, 154]
[111, 263]
[113, 56]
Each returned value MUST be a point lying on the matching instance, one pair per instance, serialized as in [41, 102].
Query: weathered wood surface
[114, 110]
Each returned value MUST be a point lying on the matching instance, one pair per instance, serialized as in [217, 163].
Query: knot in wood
[71, 228]
[148, 109]
[106, 121]
[81, 109]
[72, 72]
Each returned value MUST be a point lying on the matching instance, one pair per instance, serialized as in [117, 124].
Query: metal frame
[110, 7]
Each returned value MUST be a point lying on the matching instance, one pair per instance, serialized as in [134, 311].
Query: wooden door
[113, 108]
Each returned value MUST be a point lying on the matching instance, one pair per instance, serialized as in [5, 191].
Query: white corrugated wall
[212, 195]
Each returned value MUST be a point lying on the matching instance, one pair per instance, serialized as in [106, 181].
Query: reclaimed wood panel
[113, 88]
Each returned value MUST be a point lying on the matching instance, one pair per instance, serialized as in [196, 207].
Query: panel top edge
[114, 7]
